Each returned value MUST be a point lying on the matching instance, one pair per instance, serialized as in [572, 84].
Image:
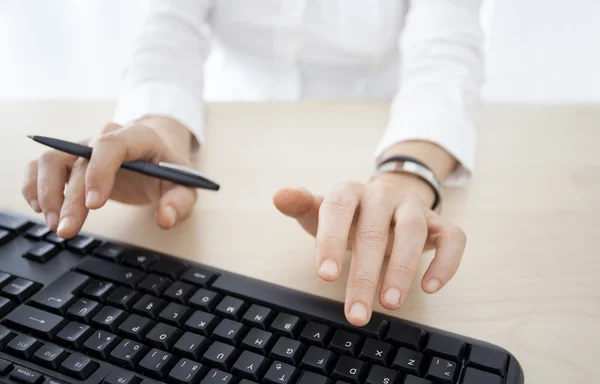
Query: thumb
[300, 204]
[175, 205]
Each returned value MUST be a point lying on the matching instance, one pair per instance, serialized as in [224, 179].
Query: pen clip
[184, 170]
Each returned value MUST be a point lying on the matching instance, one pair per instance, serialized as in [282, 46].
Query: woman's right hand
[89, 184]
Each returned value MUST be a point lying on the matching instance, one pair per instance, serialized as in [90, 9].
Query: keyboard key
[216, 376]
[231, 307]
[26, 376]
[22, 346]
[135, 327]
[162, 336]
[258, 316]
[83, 310]
[280, 373]
[493, 360]
[258, 340]
[199, 277]
[191, 345]
[313, 378]
[287, 350]
[54, 238]
[230, 332]
[381, 375]
[74, 334]
[6, 306]
[149, 306]
[5, 367]
[202, 323]
[315, 333]
[350, 370]
[139, 260]
[115, 273]
[376, 352]
[120, 377]
[156, 363]
[475, 376]
[174, 314]
[154, 284]
[5, 236]
[127, 354]
[35, 321]
[109, 318]
[78, 366]
[82, 243]
[345, 343]
[205, 300]
[410, 379]
[408, 361]
[250, 365]
[402, 335]
[42, 252]
[98, 290]
[49, 356]
[123, 298]
[109, 251]
[445, 346]
[13, 223]
[220, 355]
[169, 267]
[442, 371]
[286, 325]
[186, 371]
[100, 344]
[318, 360]
[179, 292]
[37, 232]
[5, 336]
[20, 289]
[4, 278]
[58, 296]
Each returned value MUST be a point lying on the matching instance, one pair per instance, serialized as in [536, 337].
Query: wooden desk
[530, 280]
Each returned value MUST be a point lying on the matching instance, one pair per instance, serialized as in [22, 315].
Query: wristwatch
[406, 164]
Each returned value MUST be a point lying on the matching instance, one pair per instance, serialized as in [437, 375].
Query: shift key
[35, 321]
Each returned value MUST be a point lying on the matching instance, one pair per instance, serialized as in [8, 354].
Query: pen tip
[30, 136]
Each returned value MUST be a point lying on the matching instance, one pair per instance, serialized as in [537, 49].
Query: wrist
[175, 135]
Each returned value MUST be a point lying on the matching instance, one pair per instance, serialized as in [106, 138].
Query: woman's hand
[388, 216]
[89, 184]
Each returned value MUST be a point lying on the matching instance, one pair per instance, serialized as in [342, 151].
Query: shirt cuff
[162, 99]
[450, 130]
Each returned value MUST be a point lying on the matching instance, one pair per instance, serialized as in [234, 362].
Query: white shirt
[424, 55]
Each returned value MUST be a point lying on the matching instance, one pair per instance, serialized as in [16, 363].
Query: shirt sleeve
[165, 73]
[439, 94]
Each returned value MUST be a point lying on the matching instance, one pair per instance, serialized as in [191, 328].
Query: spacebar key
[108, 271]
[35, 321]
[271, 295]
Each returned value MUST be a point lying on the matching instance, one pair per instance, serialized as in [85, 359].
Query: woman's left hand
[388, 216]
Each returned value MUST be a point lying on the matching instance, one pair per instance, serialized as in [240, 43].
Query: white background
[539, 50]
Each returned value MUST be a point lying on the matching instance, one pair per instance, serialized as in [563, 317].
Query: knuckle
[49, 157]
[109, 127]
[411, 221]
[402, 269]
[377, 193]
[44, 194]
[372, 235]
[364, 280]
[341, 203]
[456, 232]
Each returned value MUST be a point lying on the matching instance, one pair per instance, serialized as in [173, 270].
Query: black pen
[166, 171]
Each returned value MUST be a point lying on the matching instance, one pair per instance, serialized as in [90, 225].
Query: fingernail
[358, 312]
[52, 220]
[433, 285]
[64, 224]
[392, 296]
[35, 205]
[329, 268]
[92, 199]
[171, 215]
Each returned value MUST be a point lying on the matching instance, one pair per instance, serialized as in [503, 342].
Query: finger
[450, 243]
[53, 170]
[175, 206]
[74, 212]
[300, 204]
[110, 151]
[29, 188]
[336, 215]
[372, 232]
[410, 234]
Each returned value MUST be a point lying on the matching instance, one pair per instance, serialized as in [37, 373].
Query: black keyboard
[88, 310]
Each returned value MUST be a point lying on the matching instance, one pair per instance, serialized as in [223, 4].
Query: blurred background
[538, 50]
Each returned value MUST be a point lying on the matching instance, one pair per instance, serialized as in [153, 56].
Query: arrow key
[34, 321]
[442, 371]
